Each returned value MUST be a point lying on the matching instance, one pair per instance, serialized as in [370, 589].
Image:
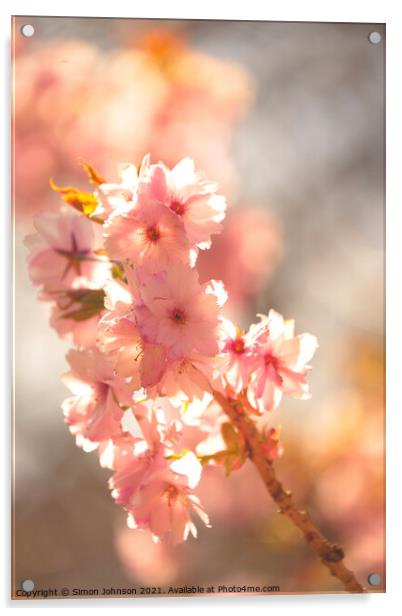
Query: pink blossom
[145, 434]
[116, 199]
[238, 358]
[282, 362]
[64, 263]
[114, 452]
[93, 413]
[63, 249]
[190, 196]
[120, 338]
[186, 379]
[123, 335]
[159, 435]
[178, 312]
[156, 492]
[118, 335]
[165, 506]
[148, 234]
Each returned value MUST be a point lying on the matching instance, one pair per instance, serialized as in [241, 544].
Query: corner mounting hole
[374, 579]
[27, 30]
[27, 585]
[375, 38]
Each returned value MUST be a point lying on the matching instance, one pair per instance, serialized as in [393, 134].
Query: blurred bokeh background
[289, 117]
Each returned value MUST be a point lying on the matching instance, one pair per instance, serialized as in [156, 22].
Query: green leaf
[85, 304]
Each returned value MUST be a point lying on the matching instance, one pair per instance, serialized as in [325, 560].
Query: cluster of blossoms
[153, 92]
[118, 268]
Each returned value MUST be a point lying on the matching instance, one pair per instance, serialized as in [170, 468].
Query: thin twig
[331, 556]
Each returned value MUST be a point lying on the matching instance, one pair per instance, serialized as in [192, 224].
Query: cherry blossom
[157, 493]
[65, 264]
[93, 413]
[148, 234]
[63, 249]
[187, 379]
[190, 196]
[115, 198]
[282, 362]
[118, 335]
[178, 312]
[238, 357]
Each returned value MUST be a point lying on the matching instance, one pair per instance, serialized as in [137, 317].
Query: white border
[341, 11]
[379, 11]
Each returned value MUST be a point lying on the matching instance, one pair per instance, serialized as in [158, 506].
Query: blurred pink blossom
[244, 256]
[73, 100]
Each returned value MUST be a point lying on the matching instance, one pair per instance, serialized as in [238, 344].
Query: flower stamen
[178, 316]
[177, 207]
[238, 346]
[153, 233]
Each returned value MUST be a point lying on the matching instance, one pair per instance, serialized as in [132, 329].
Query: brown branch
[330, 555]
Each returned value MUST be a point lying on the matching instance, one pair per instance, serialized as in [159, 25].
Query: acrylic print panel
[199, 312]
